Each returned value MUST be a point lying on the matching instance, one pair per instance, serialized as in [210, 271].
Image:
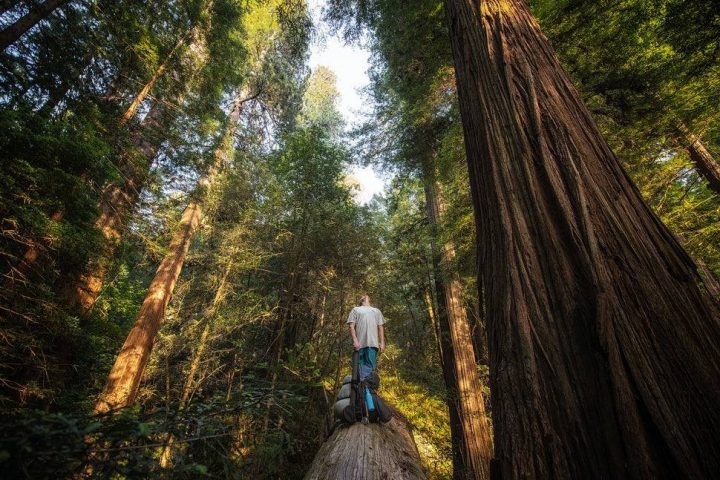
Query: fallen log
[369, 452]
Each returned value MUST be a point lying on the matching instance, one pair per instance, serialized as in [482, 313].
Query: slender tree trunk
[704, 162]
[604, 348]
[477, 331]
[447, 364]
[125, 375]
[19, 272]
[147, 88]
[118, 198]
[465, 388]
[13, 32]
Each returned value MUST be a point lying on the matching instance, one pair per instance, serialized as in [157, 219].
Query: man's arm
[356, 342]
[381, 331]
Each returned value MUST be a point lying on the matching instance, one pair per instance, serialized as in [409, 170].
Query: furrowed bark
[13, 32]
[125, 375]
[459, 367]
[369, 452]
[604, 347]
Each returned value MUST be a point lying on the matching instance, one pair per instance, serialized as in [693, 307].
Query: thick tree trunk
[369, 452]
[10, 34]
[464, 390]
[704, 162]
[125, 375]
[604, 348]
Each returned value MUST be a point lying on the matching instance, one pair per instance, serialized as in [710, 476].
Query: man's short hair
[361, 299]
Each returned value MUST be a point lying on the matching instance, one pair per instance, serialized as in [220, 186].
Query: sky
[350, 63]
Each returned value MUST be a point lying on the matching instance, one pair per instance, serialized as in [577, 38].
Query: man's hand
[353, 335]
[382, 347]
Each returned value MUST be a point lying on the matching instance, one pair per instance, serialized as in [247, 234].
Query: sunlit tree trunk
[704, 162]
[118, 198]
[459, 368]
[147, 88]
[604, 349]
[125, 375]
[445, 349]
[13, 32]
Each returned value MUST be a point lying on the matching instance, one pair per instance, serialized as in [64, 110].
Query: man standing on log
[368, 337]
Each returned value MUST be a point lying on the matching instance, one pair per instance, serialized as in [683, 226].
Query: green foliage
[643, 69]
[254, 343]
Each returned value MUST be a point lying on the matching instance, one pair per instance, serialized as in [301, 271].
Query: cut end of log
[369, 452]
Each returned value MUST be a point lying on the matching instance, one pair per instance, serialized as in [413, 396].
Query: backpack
[352, 407]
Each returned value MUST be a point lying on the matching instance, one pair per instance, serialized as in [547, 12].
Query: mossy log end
[369, 452]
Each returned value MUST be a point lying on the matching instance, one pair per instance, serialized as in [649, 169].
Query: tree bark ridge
[604, 349]
[369, 452]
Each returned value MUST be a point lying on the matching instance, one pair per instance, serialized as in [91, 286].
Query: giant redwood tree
[604, 344]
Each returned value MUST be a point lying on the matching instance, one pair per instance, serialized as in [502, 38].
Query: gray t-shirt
[367, 320]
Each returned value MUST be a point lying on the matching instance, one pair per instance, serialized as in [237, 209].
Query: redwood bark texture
[369, 452]
[465, 388]
[604, 347]
[13, 32]
[124, 378]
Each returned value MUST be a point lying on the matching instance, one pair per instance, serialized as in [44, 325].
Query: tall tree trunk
[117, 200]
[447, 364]
[604, 349]
[125, 375]
[10, 34]
[147, 88]
[460, 369]
[704, 162]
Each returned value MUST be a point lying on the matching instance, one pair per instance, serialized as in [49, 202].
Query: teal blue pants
[367, 362]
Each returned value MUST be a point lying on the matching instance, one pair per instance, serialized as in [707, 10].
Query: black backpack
[357, 410]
